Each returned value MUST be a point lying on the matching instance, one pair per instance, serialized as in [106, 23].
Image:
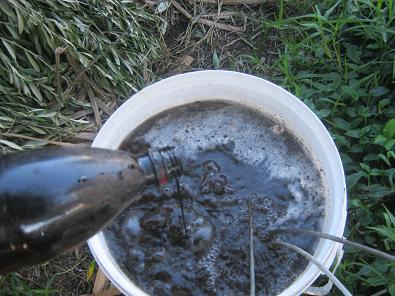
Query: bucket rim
[213, 78]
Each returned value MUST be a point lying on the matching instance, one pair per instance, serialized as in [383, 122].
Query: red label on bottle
[163, 180]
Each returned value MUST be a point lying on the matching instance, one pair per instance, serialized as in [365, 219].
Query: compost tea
[231, 156]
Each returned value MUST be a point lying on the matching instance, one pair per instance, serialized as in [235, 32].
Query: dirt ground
[190, 45]
[68, 272]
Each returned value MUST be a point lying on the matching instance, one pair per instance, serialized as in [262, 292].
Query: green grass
[52, 52]
[339, 58]
[12, 284]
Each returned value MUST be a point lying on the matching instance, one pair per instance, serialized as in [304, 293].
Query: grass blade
[252, 262]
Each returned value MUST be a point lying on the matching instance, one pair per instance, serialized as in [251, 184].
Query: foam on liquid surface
[230, 154]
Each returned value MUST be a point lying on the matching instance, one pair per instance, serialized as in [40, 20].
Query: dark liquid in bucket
[232, 156]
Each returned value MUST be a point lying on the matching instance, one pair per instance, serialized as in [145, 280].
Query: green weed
[340, 60]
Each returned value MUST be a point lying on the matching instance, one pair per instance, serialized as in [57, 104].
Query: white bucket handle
[325, 289]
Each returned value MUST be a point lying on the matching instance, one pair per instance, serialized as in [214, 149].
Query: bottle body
[53, 199]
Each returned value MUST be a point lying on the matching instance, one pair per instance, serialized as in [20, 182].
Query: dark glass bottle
[55, 198]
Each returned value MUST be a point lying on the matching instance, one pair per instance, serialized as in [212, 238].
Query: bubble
[154, 221]
[201, 234]
[131, 227]
[206, 266]
[302, 204]
[213, 182]
[83, 179]
[250, 136]
[167, 191]
[175, 227]
[135, 261]
[159, 255]
[211, 166]
[231, 155]
[162, 275]
[161, 288]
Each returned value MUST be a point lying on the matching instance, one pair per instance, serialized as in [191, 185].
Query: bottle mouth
[161, 165]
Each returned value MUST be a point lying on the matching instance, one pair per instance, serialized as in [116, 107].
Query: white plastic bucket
[252, 92]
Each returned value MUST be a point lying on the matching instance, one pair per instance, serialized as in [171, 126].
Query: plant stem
[182, 210]
[252, 262]
[339, 240]
[329, 274]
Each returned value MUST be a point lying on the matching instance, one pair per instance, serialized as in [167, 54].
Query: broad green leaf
[353, 133]
[342, 140]
[381, 265]
[389, 144]
[384, 158]
[353, 179]
[389, 128]
[351, 112]
[370, 157]
[384, 103]
[370, 239]
[364, 271]
[351, 92]
[378, 191]
[345, 158]
[323, 113]
[356, 148]
[341, 123]
[365, 217]
[380, 139]
[357, 203]
[375, 172]
[354, 54]
[376, 281]
[379, 91]
[11, 144]
[364, 166]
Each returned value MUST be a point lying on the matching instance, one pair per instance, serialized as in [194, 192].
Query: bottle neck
[160, 166]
